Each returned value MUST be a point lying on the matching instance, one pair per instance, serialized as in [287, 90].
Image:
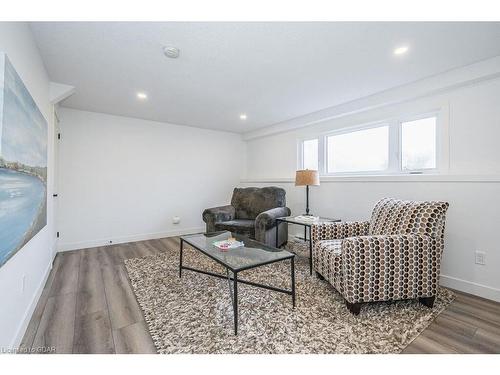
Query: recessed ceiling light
[401, 50]
[171, 51]
[142, 96]
[243, 116]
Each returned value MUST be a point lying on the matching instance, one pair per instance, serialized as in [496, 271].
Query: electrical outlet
[480, 258]
[176, 220]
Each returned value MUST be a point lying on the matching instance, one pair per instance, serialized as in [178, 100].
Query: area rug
[193, 314]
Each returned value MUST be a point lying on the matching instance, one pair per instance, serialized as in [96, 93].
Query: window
[418, 144]
[395, 146]
[359, 151]
[310, 154]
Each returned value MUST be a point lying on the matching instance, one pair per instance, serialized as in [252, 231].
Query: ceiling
[273, 72]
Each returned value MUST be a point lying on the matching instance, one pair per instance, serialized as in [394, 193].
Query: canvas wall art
[23, 164]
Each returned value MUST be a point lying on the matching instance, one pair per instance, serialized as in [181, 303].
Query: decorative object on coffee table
[394, 256]
[307, 177]
[305, 224]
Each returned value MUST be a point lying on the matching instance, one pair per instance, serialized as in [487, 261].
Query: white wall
[34, 260]
[123, 179]
[472, 186]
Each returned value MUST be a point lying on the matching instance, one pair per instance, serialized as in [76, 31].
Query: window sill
[493, 178]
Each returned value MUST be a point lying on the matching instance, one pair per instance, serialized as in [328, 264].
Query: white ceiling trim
[438, 84]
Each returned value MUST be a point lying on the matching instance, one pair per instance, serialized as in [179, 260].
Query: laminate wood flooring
[88, 306]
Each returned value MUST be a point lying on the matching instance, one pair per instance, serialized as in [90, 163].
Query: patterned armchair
[396, 255]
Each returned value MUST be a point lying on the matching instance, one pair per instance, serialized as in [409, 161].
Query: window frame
[301, 145]
[354, 130]
[395, 144]
[400, 142]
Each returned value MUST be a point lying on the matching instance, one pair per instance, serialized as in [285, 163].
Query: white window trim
[399, 125]
[353, 130]
[395, 144]
[300, 152]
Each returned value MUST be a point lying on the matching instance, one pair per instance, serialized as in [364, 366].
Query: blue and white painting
[23, 164]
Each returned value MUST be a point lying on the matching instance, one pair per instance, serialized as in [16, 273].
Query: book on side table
[307, 218]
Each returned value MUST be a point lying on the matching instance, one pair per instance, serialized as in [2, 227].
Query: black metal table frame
[305, 225]
[235, 280]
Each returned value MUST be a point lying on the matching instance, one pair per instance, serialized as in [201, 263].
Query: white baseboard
[29, 312]
[470, 287]
[123, 239]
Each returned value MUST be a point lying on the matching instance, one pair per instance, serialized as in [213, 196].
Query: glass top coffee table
[252, 255]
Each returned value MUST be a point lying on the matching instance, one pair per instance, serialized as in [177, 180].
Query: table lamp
[307, 177]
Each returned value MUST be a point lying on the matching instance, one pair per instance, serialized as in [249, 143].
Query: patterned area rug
[194, 314]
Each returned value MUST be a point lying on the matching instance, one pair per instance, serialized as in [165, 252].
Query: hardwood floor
[88, 306]
[469, 325]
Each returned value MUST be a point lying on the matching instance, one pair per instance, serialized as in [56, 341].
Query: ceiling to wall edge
[434, 85]
[59, 91]
[438, 84]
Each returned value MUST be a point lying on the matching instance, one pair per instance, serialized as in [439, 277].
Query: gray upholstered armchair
[252, 212]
